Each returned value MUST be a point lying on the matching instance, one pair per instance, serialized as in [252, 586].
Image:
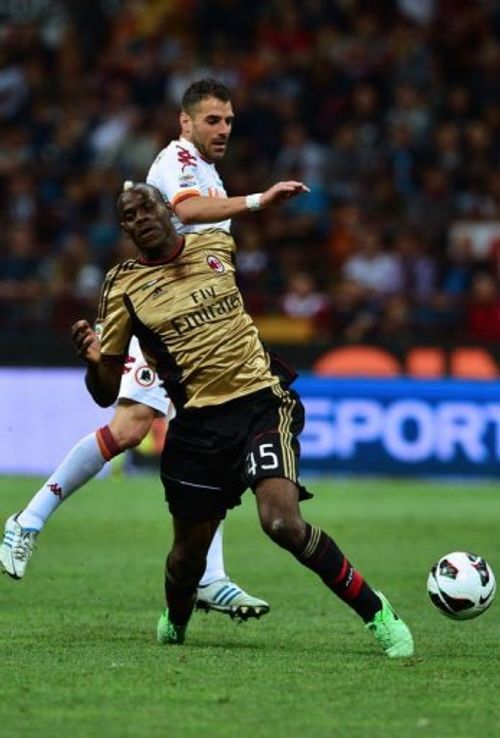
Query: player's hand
[87, 344]
[282, 191]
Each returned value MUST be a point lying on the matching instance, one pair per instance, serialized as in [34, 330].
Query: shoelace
[23, 547]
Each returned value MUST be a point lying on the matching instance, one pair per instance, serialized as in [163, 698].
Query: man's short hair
[202, 89]
[128, 185]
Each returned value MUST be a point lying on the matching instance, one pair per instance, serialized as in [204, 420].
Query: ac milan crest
[215, 263]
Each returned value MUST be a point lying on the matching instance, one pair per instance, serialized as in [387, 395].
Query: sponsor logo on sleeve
[185, 157]
[187, 180]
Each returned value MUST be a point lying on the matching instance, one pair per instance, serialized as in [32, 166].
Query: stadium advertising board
[394, 427]
[401, 427]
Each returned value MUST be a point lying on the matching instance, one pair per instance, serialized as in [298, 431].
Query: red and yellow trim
[185, 195]
[107, 443]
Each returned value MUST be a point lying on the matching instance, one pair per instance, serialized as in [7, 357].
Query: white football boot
[226, 597]
[17, 547]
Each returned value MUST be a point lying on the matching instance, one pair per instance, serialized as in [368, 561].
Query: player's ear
[185, 121]
[122, 222]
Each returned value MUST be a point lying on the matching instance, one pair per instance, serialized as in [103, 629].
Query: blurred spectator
[303, 299]
[458, 105]
[421, 11]
[457, 269]
[447, 151]
[21, 284]
[415, 271]
[366, 118]
[13, 89]
[411, 55]
[22, 259]
[374, 269]
[482, 312]
[284, 32]
[184, 70]
[21, 204]
[348, 162]
[432, 207]
[74, 282]
[353, 317]
[112, 125]
[345, 225]
[300, 157]
[258, 273]
[410, 111]
[138, 148]
[394, 324]
[401, 155]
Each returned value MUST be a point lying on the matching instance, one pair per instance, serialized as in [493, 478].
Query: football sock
[215, 563]
[180, 600]
[82, 463]
[321, 554]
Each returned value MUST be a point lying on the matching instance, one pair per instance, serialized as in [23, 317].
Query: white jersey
[140, 383]
[180, 172]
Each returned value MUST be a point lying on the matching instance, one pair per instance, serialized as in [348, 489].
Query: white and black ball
[461, 585]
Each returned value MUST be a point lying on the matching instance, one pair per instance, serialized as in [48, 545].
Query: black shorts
[212, 455]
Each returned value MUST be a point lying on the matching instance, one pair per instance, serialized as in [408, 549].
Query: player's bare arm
[201, 209]
[102, 379]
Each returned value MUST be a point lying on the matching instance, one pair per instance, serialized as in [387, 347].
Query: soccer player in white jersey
[185, 173]
[142, 399]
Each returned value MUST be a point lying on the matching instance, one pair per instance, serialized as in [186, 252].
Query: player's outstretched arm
[203, 209]
[102, 379]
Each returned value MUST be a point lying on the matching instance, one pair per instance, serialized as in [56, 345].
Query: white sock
[215, 560]
[81, 464]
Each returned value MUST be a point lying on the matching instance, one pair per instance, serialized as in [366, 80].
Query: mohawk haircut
[202, 89]
[128, 185]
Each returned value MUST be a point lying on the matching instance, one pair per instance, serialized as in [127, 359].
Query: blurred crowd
[388, 110]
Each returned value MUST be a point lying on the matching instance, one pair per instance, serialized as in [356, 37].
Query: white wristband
[253, 201]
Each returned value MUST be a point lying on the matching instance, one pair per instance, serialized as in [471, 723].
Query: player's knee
[284, 530]
[131, 424]
[134, 435]
[131, 434]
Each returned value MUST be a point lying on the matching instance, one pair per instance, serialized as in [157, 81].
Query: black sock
[180, 600]
[321, 554]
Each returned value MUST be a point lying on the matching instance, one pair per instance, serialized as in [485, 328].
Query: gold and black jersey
[188, 315]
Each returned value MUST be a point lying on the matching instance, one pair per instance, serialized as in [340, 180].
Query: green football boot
[168, 632]
[391, 632]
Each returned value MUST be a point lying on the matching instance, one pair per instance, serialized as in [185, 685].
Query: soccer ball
[461, 585]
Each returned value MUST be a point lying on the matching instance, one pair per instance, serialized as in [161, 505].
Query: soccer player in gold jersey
[237, 419]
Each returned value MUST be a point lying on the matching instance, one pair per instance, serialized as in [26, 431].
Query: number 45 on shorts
[266, 459]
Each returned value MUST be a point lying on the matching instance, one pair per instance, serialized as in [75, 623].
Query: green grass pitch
[78, 651]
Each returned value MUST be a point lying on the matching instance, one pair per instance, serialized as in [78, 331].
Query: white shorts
[140, 383]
